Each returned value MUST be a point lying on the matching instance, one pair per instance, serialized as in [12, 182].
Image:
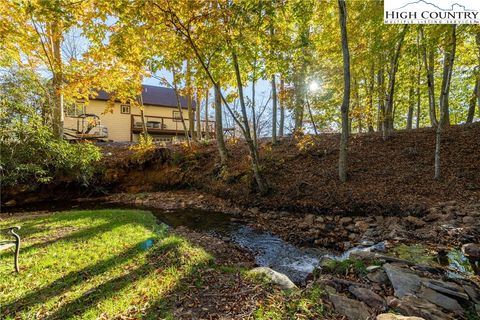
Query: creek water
[269, 250]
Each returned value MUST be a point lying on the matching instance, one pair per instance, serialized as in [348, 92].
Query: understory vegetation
[30, 153]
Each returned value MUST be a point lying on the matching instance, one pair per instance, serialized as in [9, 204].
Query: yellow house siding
[119, 124]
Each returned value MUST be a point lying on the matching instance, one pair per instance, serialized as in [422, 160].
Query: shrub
[30, 154]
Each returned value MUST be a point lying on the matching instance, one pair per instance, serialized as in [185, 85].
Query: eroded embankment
[390, 177]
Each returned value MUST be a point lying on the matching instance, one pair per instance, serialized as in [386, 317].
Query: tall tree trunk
[254, 114]
[207, 124]
[419, 71]
[449, 58]
[142, 116]
[311, 118]
[191, 119]
[57, 78]
[371, 88]
[473, 102]
[392, 73]
[477, 41]
[299, 103]
[411, 105]
[262, 187]
[274, 110]
[381, 99]
[198, 109]
[222, 150]
[342, 161]
[179, 107]
[429, 63]
[282, 108]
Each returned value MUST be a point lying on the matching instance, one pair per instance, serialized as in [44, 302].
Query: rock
[416, 222]
[369, 297]
[471, 250]
[414, 306]
[350, 227]
[352, 309]
[372, 268]
[320, 219]
[469, 220]
[11, 203]
[472, 293]
[404, 282]
[276, 278]
[378, 276]
[391, 316]
[330, 289]
[309, 219]
[345, 220]
[352, 236]
[440, 300]
[449, 288]
[254, 210]
[361, 225]
[138, 201]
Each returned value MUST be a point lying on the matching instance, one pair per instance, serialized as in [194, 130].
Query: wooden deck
[166, 126]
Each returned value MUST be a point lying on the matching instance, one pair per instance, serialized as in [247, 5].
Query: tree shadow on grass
[155, 261]
[66, 282]
[28, 230]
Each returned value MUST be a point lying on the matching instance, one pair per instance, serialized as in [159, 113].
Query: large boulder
[404, 281]
[440, 300]
[352, 309]
[276, 278]
[372, 299]
[471, 250]
[414, 306]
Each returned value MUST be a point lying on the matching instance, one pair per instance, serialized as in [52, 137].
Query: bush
[30, 154]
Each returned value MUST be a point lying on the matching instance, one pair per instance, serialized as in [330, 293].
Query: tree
[388, 119]
[449, 57]
[222, 150]
[342, 162]
[429, 64]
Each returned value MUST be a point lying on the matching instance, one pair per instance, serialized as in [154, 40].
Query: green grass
[304, 304]
[346, 266]
[94, 264]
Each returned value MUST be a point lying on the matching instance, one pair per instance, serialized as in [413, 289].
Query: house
[123, 122]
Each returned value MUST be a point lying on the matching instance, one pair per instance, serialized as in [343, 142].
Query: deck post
[131, 128]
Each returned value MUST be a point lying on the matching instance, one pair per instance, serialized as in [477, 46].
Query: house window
[75, 109]
[177, 117]
[125, 108]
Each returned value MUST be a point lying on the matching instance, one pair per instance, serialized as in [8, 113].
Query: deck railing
[167, 125]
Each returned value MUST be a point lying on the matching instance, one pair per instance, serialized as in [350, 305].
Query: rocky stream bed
[379, 266]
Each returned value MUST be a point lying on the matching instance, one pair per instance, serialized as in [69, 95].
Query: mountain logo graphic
[452, 7]
[431, 11]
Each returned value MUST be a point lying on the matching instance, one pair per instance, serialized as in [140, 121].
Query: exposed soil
[389, 177]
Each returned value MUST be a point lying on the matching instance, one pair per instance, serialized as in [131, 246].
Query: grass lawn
[121, 264]
[94, 264]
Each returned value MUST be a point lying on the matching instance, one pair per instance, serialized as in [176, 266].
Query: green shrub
[30, 154]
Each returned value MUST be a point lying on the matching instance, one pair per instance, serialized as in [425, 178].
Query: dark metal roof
[154, 96]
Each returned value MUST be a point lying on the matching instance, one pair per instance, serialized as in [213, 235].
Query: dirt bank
[389, 177]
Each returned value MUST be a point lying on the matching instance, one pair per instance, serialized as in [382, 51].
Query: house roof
[154, 96]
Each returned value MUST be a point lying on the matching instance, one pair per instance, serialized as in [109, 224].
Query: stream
[269, 250]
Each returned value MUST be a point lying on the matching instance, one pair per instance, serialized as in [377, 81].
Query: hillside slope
[384, 176]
